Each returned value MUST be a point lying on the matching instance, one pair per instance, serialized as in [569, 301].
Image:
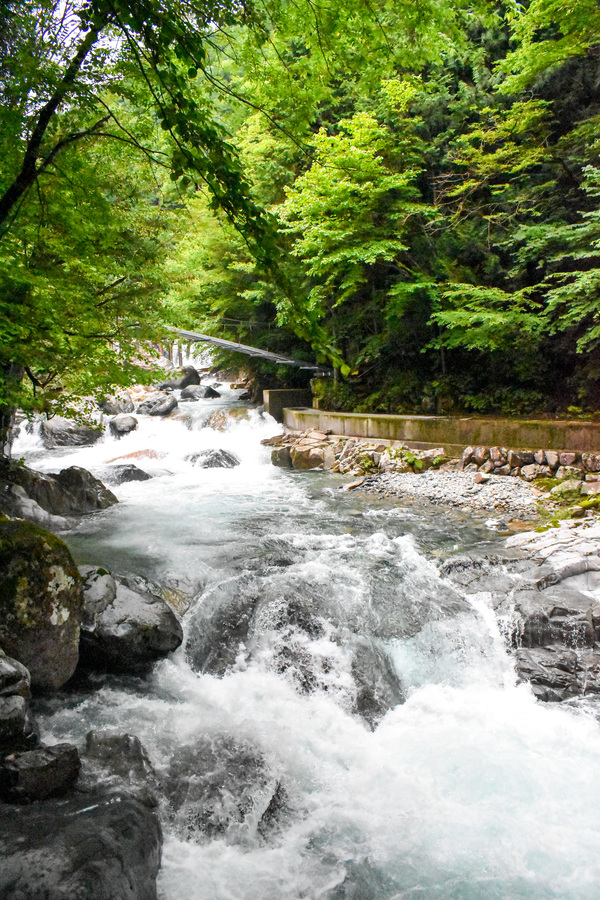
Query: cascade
[340, 722]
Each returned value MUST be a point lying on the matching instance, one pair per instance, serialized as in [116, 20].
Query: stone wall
[423, 432]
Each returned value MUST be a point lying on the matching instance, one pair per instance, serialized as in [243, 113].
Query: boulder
[190, 376]
[39, 774]
[590, 462]
[569, 486]
[568, 457]
[114, 406]
[218, 788]
[130, 472]
[102, 844]
[377, 686]
[131, 633]
[73, 492]
[61, 432]
[157, 405]
[281, 457]
[307, 457]
[553, 458]
[86, 493]
[41, 603]
[17, 729]
[214, 459]
[122, 425]
[223, 418]
[199, 392]
[571, 472]
[99, 591]
[119, 755]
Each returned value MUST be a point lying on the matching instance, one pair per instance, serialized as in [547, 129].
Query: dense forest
[407, 191]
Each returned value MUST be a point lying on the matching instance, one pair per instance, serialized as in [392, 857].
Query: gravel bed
[509, 497]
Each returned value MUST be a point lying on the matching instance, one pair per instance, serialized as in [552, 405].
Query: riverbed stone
[281, 456]
[131, 633]
[310, 457]
[221, 788]
[157, 404]
[568, 457]
[72, 492]
[214, 459]
[61, 432]
[122, 425]
[39, 774]
[128, 472]
[115, 406]
[41, 603]
[86, 493]
[190, 376]
[199, 392]
[100, 844]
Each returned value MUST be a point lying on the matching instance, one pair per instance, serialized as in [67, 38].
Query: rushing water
[340, 723]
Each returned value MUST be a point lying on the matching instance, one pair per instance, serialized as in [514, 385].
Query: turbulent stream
[340, 722]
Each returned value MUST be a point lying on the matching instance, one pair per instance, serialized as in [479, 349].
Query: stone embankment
[474, 482]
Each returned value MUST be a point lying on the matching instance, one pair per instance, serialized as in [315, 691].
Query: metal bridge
[193, 337]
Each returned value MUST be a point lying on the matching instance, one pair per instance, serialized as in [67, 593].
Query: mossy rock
[41, 603]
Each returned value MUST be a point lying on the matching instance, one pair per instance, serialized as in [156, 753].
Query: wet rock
[84, 492]
[61, 432]
[39, 774]
[131, 633]
[378, 687]
[157, 405]
[99, 591]
[73, 492]
[222, 789]
[307, 457]
[122, 425]
[214, 459]
[17, 728]
[219, 629]
[42, 603]
[120, 755]
[199, 392]
[114, 406]
[131, 472]
[223, 418]
[101, 845]
[551, 671]
[190, 377]
[280, 456]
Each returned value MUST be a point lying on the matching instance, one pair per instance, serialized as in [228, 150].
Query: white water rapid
[340, 723]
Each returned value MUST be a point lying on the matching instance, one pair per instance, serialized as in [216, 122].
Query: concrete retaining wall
[275, 401]
[451, 433]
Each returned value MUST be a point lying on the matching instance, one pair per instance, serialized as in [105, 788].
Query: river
[340, 723]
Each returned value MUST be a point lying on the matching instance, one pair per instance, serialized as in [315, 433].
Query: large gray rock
[73, 492]
[17, 730]
[122, 425]
[39, 774]
[214, 459]
[61, 432]
[218, 788]
[114, 406]
[132, 632]
[41, 603]
[190, 376]
[128, 472]
[84, 492]
[157, 405]
[199, 392]
[101, 845]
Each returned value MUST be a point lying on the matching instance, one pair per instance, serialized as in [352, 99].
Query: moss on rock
[41, 603]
